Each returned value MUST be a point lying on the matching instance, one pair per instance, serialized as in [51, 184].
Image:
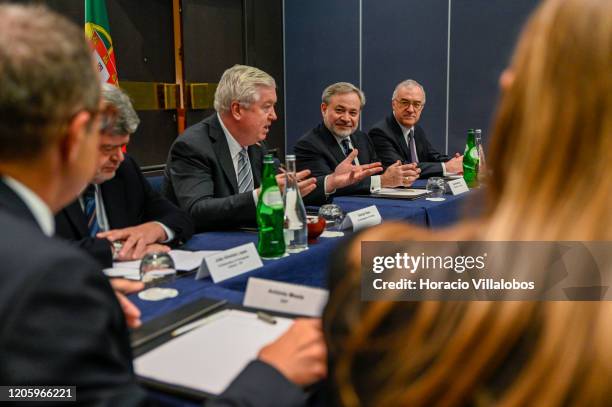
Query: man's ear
[323, 108]
[74, 137]
[236, 110]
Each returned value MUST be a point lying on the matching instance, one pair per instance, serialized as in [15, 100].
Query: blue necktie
[346, 146]
[245, 177]
[89, 203]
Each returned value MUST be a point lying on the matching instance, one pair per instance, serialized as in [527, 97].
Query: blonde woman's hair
[550, 156]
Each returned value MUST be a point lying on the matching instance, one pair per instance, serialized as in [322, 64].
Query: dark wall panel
[264, 40]
[212, 42]
[405, 39]
[483, 35]
[321, 47]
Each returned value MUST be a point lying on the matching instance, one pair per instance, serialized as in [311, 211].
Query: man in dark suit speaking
[120, 205]
[214, 169]
[337, 139]
[398, 137]
[61, 324]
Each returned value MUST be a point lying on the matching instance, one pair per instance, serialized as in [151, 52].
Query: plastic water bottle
[296, 224]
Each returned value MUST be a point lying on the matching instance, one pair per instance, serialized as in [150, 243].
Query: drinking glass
[435, 187]
[156, 268]
[333, 216]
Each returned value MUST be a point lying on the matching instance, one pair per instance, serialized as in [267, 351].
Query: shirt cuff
[325, 187]
[170, 235]
[375, 183]
[255, 197]
[444, 170]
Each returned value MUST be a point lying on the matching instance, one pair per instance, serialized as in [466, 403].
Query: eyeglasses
[405, 103]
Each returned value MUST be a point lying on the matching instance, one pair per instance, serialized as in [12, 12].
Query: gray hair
[340, 88]
[240, 83]
[127, 120]
[409, 83]
[46, 76]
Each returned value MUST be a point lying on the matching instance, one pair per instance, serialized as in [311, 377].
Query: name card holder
[362, 218]
[285, 297]
[230, 263]
[458, 186]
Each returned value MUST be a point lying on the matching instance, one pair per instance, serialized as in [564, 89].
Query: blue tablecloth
[307, 268]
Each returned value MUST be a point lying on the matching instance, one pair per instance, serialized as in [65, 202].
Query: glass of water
[157, 268]
[333, 216]
[435, 187]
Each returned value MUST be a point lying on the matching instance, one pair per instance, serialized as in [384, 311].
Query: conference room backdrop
[455, 48]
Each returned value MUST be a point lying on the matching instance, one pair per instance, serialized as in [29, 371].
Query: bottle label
[474, 153]
[272, 197]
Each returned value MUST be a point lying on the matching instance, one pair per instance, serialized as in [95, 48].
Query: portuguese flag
[97, 31]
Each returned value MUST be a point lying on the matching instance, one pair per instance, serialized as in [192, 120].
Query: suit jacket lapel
[115, 202]
[362, 148]
[332, 145]
[255, 154]
[397, 131]
[219, 143]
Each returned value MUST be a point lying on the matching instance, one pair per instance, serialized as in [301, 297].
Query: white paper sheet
[209, 357]
[183, 260]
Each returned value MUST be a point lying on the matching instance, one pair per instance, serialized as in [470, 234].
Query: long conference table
[308, 267]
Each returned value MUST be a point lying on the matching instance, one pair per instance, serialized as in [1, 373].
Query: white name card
[458, 186]
[230, 263]
[362, 218]
[285, 297]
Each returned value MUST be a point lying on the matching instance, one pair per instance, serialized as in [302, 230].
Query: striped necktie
[245, 177]
[411, 142]
[89, 203]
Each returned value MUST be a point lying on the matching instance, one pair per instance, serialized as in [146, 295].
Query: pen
[266, 317]
[206, 310]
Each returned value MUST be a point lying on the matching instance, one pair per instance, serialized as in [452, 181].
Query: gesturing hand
[305, 184]
[400, 175]
[346, 173]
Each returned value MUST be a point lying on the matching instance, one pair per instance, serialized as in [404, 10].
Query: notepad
[209, 357]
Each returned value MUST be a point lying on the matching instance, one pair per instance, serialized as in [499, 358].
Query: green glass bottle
[270, 214]
[470, 160]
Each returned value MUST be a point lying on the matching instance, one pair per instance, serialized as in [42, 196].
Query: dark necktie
[346, 147]
[89, 204]
[412, 143]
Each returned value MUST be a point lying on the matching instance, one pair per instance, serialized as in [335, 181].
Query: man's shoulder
[203, 127]
[26, 253]
[383, 126]
[315, 134]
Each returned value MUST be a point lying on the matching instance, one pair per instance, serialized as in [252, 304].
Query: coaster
[157, 294]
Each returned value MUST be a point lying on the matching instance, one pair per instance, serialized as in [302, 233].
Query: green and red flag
[97, 30]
